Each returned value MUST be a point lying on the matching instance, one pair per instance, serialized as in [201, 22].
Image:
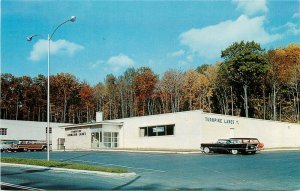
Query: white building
[30, 130]
[182, 130]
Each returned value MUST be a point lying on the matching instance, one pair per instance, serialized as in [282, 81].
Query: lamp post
[29, 38]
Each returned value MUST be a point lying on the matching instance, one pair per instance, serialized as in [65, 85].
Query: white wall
[272, 134]
[57, 133]
[195, 127]
[78, 142]
[191, 129]
[30, 130]
[187, 131]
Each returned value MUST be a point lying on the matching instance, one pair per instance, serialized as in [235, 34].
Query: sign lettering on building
[219, 120]
[76, 133]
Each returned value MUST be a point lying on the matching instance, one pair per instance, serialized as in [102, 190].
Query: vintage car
[260, 146]
[6, 145]
[28, 145]
[233, 145]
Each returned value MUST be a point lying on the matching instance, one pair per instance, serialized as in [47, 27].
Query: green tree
[244, 66]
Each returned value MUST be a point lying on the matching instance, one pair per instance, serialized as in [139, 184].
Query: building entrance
[100, 139]
[96, 138]
[111, 139]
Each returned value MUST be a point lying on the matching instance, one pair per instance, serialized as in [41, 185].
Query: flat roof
[87, 125]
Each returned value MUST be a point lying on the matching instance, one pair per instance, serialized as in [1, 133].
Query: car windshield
[235, 141]
[8, 142]
[223, 141]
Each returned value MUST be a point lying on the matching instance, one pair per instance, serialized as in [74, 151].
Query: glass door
[95, 140]
[111, 139]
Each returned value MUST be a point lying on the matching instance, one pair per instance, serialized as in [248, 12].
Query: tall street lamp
[29, 38]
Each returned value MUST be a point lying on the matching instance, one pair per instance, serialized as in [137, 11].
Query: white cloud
[190, 58]
[293, 28]
[176, 53]
[94, 65]
[40, 49]
[120, 61]
[251, 7]
[288, 28]
[296, 15]
[209, 41]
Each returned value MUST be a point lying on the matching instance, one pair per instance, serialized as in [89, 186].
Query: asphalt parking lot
[276, 170]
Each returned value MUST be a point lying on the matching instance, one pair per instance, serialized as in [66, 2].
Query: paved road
[263, 171]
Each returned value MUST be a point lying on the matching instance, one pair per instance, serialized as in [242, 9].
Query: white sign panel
[158, 129]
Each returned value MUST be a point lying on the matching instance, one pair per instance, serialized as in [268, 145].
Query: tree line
[249, 82]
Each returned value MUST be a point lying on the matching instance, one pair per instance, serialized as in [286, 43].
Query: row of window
[161, 130]
[3, 131]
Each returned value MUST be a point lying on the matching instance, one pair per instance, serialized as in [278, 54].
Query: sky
[110, 36]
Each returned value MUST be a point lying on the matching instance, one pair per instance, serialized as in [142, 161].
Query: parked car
[29, 145]
[233, 145]
[6, 145]
[260, 146]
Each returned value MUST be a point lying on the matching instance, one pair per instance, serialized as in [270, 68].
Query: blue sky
[110, 36]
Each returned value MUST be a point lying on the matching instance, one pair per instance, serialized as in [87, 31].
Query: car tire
[234, 152]
[206, 150]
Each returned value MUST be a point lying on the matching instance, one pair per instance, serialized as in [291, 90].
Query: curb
[286, 149]
[72, 170]
[134, 151]
[174, 152]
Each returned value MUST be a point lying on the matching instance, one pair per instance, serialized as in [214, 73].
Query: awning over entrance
[91, 125]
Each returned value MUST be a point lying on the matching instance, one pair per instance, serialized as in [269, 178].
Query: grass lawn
[68, 165]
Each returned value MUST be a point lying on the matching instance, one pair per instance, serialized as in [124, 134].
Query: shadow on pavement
[26, 171]
[69, 159]
[128, 183]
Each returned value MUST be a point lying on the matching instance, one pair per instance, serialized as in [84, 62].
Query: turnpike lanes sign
[219, 120]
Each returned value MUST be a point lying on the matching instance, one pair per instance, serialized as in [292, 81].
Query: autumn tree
[39, 87]
[170, 90]
[7, 90]
[283, 74]
[99, 95]
[62, 86]
[86, 95]
[208, 80]
[293, 59]
[144, 84]
[126, 92]
[191, 84]
[111, 90]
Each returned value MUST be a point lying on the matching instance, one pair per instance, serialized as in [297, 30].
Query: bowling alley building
[171, 131]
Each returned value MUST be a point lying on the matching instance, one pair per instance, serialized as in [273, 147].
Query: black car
[233, 146]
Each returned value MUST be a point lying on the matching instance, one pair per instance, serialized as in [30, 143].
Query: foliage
[244, 68]
[249, 81]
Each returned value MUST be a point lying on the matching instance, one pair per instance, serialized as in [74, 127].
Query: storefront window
[151, 132]
[170, 129]
[161, 130]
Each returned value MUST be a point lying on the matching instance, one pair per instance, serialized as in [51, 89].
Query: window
[110, 139]
[170, 130]
[50, 129]
[3, 131]
[160, 130]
